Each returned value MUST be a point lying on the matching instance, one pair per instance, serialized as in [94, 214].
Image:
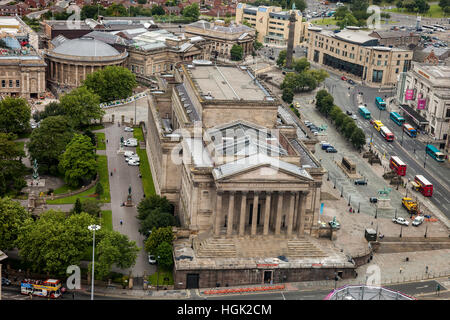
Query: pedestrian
[401, 269]
[121, 221]
[106, 140]
[111, 174]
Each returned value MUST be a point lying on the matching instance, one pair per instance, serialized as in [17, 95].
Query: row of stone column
[296, 207]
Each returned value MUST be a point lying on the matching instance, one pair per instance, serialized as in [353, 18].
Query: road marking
[422, 287]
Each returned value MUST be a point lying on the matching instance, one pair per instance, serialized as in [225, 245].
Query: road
[412, 151]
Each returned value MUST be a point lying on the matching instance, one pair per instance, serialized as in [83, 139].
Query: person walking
[401, 269]
[121, 221]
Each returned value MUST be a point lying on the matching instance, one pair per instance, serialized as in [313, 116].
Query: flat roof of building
[442, 72]
[228, 83]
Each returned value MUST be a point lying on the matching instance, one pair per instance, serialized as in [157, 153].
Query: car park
[360, 182]
[128, 129]
[401, 221]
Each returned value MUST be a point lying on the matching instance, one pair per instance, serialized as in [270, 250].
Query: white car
[151, 259]
[133, 163]
[133, 158]
[128, 129]
[400, 220]
[354, 116]
[131, 143]
[128, 154]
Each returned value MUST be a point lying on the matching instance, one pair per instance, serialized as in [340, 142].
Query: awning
[414, 115]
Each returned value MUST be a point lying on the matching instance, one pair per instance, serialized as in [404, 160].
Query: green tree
[236, 52]
[157, 237]
[92, 11]
[12, 170]
[358, 138]
[98, 190]
[422, 6]
[81, 106]
[116, 10]
[257, 45]
[15, 115]
[341, 12]
[48, 142]
[164, 252]
[192, 11]
[399, 4]
[142, 1]
[111, 83]
[281, 60]
[300, 5]
[157, 10]
[345, 122]
[78, 162]
[77, 206]
[12, 216]
[320, 95]
[52, 109]
[155, 212]
[53, 242]
[318, 74]
[349, 20]
[339, 119]
[349, 128]
[114, 249]
[301, 65]
[334, 112]
[288, 95]
[326, 105]
[91, 206]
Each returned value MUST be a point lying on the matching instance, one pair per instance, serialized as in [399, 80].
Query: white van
[417, 221]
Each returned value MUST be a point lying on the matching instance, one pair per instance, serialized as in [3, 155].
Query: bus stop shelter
[414, 116]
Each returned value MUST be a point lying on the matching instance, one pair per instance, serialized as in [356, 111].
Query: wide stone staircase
[303, 248]
[214, 248]
[260, 248]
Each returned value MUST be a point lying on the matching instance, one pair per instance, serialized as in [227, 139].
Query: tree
[81, 106]
[153, 202]
[300, 5]
[157, 237]
[192, 11]
[157, 10]
[99, 190]
[77, 206]
[341, 12]
[12, 216]
[288, 95]
[422, 6]
[349, 128]
[15, 115]
[334, 112]
[114, 249]
[301, 65]
[164, 252]
[257, 45]
[349, 20]
[91, 206]
[445, 6]
[318, 74]
[111, 83]
[155, 212]
[358, 138]
[142, 1]
[78, 163]
[54, 242]
[116, 10]
[92, 11]
[236, 52]
[281, 61]
[12, 170]
[52, 109]
[48, 142]
[344, 123]
[399, 4]
[319, 96]
[339, 119]
[326, 105]
[88, 133]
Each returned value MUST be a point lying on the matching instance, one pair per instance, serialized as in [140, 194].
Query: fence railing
[121, 102]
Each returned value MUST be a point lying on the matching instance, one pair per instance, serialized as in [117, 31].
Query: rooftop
[437, 72]
[228, 83]
[232, 28]
[86, 47]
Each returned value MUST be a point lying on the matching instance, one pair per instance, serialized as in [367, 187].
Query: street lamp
[93, 227]
[157, 273]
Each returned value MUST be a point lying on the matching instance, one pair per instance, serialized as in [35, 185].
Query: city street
[122, 178]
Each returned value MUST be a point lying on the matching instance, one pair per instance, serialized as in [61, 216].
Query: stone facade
[355, 52]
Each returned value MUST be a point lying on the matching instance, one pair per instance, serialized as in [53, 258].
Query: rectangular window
[3, 83]
[398, 62]
[17, 83]
[396, 70]
[10, 83]
[378, 63]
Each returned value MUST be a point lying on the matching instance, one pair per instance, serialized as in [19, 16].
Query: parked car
[350, 81]
[400, 220]
[128, 154]
[128, 129]
[151, 259]
[331, 150]
[353, 116]
[131, 142]
[133, 157]
[6, 282]
[344, 78]
[133, 163]
[373, 199]
[418, 221]
[360, 182]
[325, 146]
[349, 112]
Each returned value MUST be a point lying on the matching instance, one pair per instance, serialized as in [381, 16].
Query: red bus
[397, 165]
[425, 186]
[386, 133]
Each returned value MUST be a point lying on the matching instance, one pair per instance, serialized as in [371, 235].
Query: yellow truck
[410, 205]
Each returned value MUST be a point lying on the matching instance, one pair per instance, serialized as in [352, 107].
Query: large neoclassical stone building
[244, 186]
[71, 60]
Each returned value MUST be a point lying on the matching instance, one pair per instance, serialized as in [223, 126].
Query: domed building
[70, 61]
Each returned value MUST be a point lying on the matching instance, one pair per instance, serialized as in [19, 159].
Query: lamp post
[157, 273]
[401, 142]
[349, 199]
[359, 206]
[376, 212]
[93, 227]
[401, 229]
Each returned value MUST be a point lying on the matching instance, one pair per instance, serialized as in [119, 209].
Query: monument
[35, 203]
[121, 151]
[383, 201]
[290, 46]
[129, 202]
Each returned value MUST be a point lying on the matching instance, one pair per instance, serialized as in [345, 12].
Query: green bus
[364, 112]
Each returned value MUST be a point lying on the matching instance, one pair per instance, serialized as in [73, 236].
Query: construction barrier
[241, 290]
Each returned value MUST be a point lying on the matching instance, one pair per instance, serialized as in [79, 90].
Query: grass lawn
[106, 221]
[102, 165]
[162, 274]
[101, 145]
[144, 167]
[325, 21]
[434, 12]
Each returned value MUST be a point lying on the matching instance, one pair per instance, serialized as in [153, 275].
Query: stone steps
[262, 248]
[303, 248]
[211, 248]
